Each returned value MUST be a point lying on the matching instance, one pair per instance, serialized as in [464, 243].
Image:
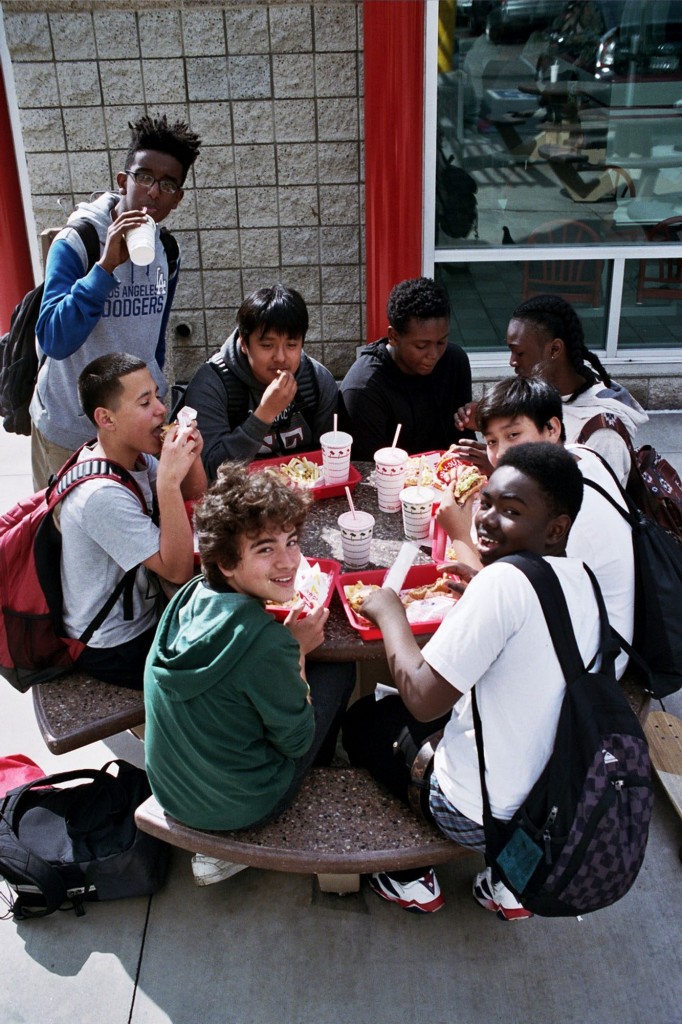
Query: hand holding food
[473, 452]
[427, 602]
[309, 631]
[277, 396]
[187, 417]
[466, 481]
[459, 575]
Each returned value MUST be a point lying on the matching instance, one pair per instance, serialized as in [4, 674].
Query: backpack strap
[631, 514]
[171, 249]
[70, 476]
[237, 393]
[605, 421]
[305, 402]
[87, 232]
[550, 594]
[74, 473]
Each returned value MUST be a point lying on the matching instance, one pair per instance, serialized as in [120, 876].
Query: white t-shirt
[496, 637]
[104, 534]
[602, 539]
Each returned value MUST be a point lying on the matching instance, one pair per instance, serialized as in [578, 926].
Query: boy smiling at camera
[235, 715]
[496, 639]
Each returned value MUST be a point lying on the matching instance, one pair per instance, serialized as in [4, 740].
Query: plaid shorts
[454, 825]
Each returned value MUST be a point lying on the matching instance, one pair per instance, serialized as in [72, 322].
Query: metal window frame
[617, 255]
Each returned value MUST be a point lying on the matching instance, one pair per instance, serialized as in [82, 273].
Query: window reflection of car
[575, 36]
[619, 40]
[646, 44]
[516, 19]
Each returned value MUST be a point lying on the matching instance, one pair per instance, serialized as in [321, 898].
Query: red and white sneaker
[420, 896]
[497, 897]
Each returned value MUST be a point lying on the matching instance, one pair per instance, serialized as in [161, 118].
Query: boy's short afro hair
[553, 469]
[419, 298]
[157, 134]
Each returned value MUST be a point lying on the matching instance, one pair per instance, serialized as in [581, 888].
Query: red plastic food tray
[418, 576]
[328, 566]
[323, 490]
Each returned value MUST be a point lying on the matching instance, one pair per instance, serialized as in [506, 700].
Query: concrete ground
[262, 948]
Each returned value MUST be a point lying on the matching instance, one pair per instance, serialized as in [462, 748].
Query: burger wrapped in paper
[185, 418]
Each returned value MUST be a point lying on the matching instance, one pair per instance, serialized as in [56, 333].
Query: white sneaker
[497, 897]
[208, 870]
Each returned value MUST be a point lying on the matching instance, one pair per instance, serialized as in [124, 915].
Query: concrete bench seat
[74, 710]
[342, 824]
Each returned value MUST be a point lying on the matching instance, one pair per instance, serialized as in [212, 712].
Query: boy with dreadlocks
[545, 338]
[115, 305]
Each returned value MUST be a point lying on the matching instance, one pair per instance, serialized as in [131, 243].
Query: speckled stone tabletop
[322, 539]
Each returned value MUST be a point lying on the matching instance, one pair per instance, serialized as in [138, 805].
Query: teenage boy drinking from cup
[115, 305]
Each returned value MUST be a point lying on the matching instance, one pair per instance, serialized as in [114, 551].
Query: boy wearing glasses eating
[115, 305]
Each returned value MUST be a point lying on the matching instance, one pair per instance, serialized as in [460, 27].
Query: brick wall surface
[274, 90]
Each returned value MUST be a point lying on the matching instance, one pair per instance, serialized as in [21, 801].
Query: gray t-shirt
[104, 534]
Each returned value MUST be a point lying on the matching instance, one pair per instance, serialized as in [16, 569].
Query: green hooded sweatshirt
[226, 709]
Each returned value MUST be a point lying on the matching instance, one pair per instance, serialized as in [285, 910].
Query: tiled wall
[274, 90]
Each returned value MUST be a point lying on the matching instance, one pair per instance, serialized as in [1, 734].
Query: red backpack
[33, 647]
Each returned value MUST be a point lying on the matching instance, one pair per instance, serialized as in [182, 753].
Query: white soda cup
[390, 466]
[356, 538]
[417, 505]
[336, 445]
[141, 242]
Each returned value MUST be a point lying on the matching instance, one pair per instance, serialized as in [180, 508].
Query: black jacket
[376, 396]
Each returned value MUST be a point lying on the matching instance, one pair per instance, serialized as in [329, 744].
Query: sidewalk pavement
[268, 948]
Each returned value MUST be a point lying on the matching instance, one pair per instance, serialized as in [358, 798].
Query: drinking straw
[350, 502]
[336, 422]
[397, 434]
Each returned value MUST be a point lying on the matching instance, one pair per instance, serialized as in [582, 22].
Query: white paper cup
[356, 538]
[417, 505]
[336, 445]
[141, 242]
[554, 73]
[390, 466]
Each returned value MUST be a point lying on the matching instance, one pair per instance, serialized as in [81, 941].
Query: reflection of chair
[622, 185]
[661, 278]
[573, 280]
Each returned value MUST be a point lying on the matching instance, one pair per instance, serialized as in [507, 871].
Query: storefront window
[558, 124]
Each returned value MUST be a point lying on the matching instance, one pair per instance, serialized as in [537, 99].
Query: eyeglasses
[146, 180]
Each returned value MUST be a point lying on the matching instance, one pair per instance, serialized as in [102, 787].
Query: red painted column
[16, 276]
[394, 118]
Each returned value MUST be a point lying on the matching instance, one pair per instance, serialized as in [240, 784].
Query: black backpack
[577, 842]
[656, 650]
[61, 846]
[19, 363]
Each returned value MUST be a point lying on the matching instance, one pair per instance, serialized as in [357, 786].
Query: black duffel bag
[63, 844]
